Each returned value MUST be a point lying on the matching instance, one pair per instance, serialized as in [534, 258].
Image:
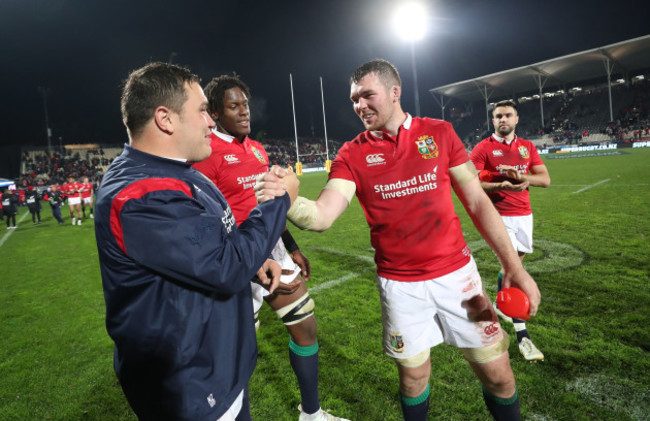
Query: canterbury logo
[375, 158]
[230, 158]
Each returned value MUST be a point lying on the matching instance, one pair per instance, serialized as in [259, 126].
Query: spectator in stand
[10, 208]
[33, 199]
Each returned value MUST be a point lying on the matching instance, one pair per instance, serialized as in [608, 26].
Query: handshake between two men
[275, 183]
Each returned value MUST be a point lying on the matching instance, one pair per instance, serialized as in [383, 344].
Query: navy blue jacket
[176, 274]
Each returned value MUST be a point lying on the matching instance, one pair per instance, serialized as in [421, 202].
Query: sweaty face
[194, 125]
[235, 119]
[373, 102]
[504, 119]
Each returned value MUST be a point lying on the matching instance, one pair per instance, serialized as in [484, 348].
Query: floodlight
[410, 21]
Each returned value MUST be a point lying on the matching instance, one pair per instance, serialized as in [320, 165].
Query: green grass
[591, 262]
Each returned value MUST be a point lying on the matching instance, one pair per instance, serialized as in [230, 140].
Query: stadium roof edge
[624, 56]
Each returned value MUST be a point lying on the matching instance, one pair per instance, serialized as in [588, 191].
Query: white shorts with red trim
[420, 315]
[520, 230]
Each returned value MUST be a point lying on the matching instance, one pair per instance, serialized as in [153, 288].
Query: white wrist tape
[302, 213]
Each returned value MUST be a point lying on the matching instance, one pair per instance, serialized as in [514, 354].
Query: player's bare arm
[538, 176]
[489, 186]
[489, 223]
[303, 262]
[320, 214]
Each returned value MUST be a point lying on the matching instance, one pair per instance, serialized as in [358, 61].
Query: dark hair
[152, 86]
[386, 71]
[506, 103]
[216, 89]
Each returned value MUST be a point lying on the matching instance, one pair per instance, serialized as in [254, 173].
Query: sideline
[9, 232]
[592, 185]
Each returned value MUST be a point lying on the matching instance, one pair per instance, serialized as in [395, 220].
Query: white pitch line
[365, 258]
[9, 232]
[334, 282]
[592, 185]
[344, 278]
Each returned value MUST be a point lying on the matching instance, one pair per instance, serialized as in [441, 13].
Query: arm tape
[302, 213]
[346, 187]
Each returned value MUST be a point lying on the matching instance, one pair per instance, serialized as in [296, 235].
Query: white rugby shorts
[280, 255]
[88, 200]
[520, 230]
[420, 315]
[74, 200]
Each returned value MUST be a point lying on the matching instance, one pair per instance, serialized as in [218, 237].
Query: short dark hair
[152, 86]
[216, 89]
[386, 71]
[506, 103]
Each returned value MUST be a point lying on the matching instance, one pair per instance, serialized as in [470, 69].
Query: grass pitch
[591, 262]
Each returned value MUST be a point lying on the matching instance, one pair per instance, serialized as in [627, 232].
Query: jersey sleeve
[340, 166]
[170, 232]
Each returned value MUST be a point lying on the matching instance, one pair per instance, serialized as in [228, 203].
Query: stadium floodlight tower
[410, 23]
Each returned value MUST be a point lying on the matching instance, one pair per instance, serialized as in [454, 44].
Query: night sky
[82, 50]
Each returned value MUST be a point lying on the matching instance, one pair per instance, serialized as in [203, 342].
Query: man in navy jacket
[175, 267]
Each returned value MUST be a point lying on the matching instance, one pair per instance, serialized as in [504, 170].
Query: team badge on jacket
[397, 342]
[427, 147]
[258, 155]
[523, 151]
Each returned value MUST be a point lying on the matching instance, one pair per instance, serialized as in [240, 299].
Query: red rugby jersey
[404, 187]
[521, 153]
[233, 167]
[71, 189]
[86, 191]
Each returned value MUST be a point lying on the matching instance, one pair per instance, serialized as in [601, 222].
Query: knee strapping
[414, 361]
[487, 353]
[297, 311]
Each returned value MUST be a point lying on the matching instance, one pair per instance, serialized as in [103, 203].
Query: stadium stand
[40, 168]
[576, 102]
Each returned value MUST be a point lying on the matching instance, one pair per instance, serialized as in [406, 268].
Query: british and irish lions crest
[523, 151]
[396, 342]
[427, 147]
[258, 155]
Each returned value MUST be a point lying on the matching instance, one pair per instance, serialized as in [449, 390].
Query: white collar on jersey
[407, 125]
[223, 136]
[503, 139]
